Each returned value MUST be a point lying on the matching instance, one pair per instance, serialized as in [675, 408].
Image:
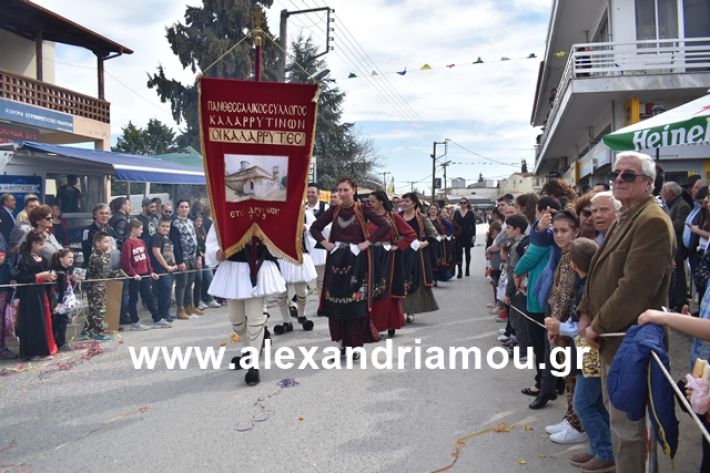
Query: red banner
[257, 139]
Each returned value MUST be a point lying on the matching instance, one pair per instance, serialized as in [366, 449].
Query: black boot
[305, 323]
[390, 333]
[236, 365]
[467, 272]
[252, 377]
[283, 328]
[459, 273]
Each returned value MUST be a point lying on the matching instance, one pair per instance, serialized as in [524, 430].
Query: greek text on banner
[264, 137]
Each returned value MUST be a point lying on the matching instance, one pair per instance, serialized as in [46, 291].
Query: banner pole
[257, 46]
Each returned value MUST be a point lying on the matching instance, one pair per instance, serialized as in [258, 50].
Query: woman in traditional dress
[245, 279]
[387, 313]
[346, 297]
[466, 222]
[35, 331]
[439, 247]
[420, 297]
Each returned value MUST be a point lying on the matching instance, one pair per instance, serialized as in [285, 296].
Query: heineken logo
[692, 131]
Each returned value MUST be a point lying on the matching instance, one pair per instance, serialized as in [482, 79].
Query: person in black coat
[466, 234]
[7, 218]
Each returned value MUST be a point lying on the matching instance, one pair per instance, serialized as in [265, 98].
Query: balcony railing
[42, 94]
[604, 60]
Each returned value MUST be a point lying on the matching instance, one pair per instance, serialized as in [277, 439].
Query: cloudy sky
[483, 108]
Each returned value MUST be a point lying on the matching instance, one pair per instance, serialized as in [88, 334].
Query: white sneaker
[569, 435]
[503, 338]
[558, 427]
[162, 323]
[214, 304]
[139, 327]
[490, 305]
[494, 310]
[501, 331]
[202, 305]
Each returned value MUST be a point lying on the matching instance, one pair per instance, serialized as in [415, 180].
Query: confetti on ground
[88, 351]
[300, 418]
[260, 410]
[461, 442]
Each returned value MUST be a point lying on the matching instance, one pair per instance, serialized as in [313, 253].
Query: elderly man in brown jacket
[630, 273]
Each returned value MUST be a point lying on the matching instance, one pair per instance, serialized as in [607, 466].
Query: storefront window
[74, 193]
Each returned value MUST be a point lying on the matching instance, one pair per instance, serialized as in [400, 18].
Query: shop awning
[126, 167]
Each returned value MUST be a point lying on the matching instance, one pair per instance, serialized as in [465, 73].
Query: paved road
[102, 415]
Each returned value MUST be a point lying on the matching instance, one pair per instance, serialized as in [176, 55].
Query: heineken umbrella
[683, 125]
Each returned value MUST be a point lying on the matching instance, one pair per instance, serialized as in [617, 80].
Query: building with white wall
[520, 183]
[32, 107]
[611, 63]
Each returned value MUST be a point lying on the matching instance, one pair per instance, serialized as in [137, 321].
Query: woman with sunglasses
[583, 209]
[41, 222]
[466, 236]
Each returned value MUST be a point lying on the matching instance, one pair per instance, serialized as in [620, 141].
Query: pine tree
[155, 138]
[130, 141]
[338, 150]
[208, 31]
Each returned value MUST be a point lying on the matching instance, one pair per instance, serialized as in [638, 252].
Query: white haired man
[630, 273]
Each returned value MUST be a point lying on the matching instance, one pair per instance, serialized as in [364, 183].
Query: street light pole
[283, 36]
[445, 165]
[433, 168]
[384, 180]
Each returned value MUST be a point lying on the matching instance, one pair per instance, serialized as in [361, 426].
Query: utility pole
[445, 165]
[433, 167]
[384, 180]
[411, 185]
[283, 35]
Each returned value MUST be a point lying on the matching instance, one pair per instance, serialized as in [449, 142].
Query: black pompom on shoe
[252, 377]
[306, 324]
[283, 328]
[236, 365]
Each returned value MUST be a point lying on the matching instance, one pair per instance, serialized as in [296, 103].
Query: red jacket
[135, 258]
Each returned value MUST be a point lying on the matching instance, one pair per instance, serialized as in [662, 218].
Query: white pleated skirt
[293, 273]
[231, 281]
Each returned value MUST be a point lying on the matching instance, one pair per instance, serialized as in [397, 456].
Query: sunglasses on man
[626, 176]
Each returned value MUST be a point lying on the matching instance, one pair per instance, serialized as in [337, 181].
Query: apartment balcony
[599, 74]
[42, 94]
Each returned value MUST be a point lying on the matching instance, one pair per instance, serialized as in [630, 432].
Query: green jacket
[533, 262]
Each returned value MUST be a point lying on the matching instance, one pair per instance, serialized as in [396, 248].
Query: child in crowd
[35, 330]
[493, 260]
[62, 292]
[163, 258]
[515, 297]
[588, 401]
[6, 322]
[565, 228]
[99, 268]
[135, 262]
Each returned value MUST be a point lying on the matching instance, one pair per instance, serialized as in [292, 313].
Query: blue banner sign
[20, 186]
[36, 116]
